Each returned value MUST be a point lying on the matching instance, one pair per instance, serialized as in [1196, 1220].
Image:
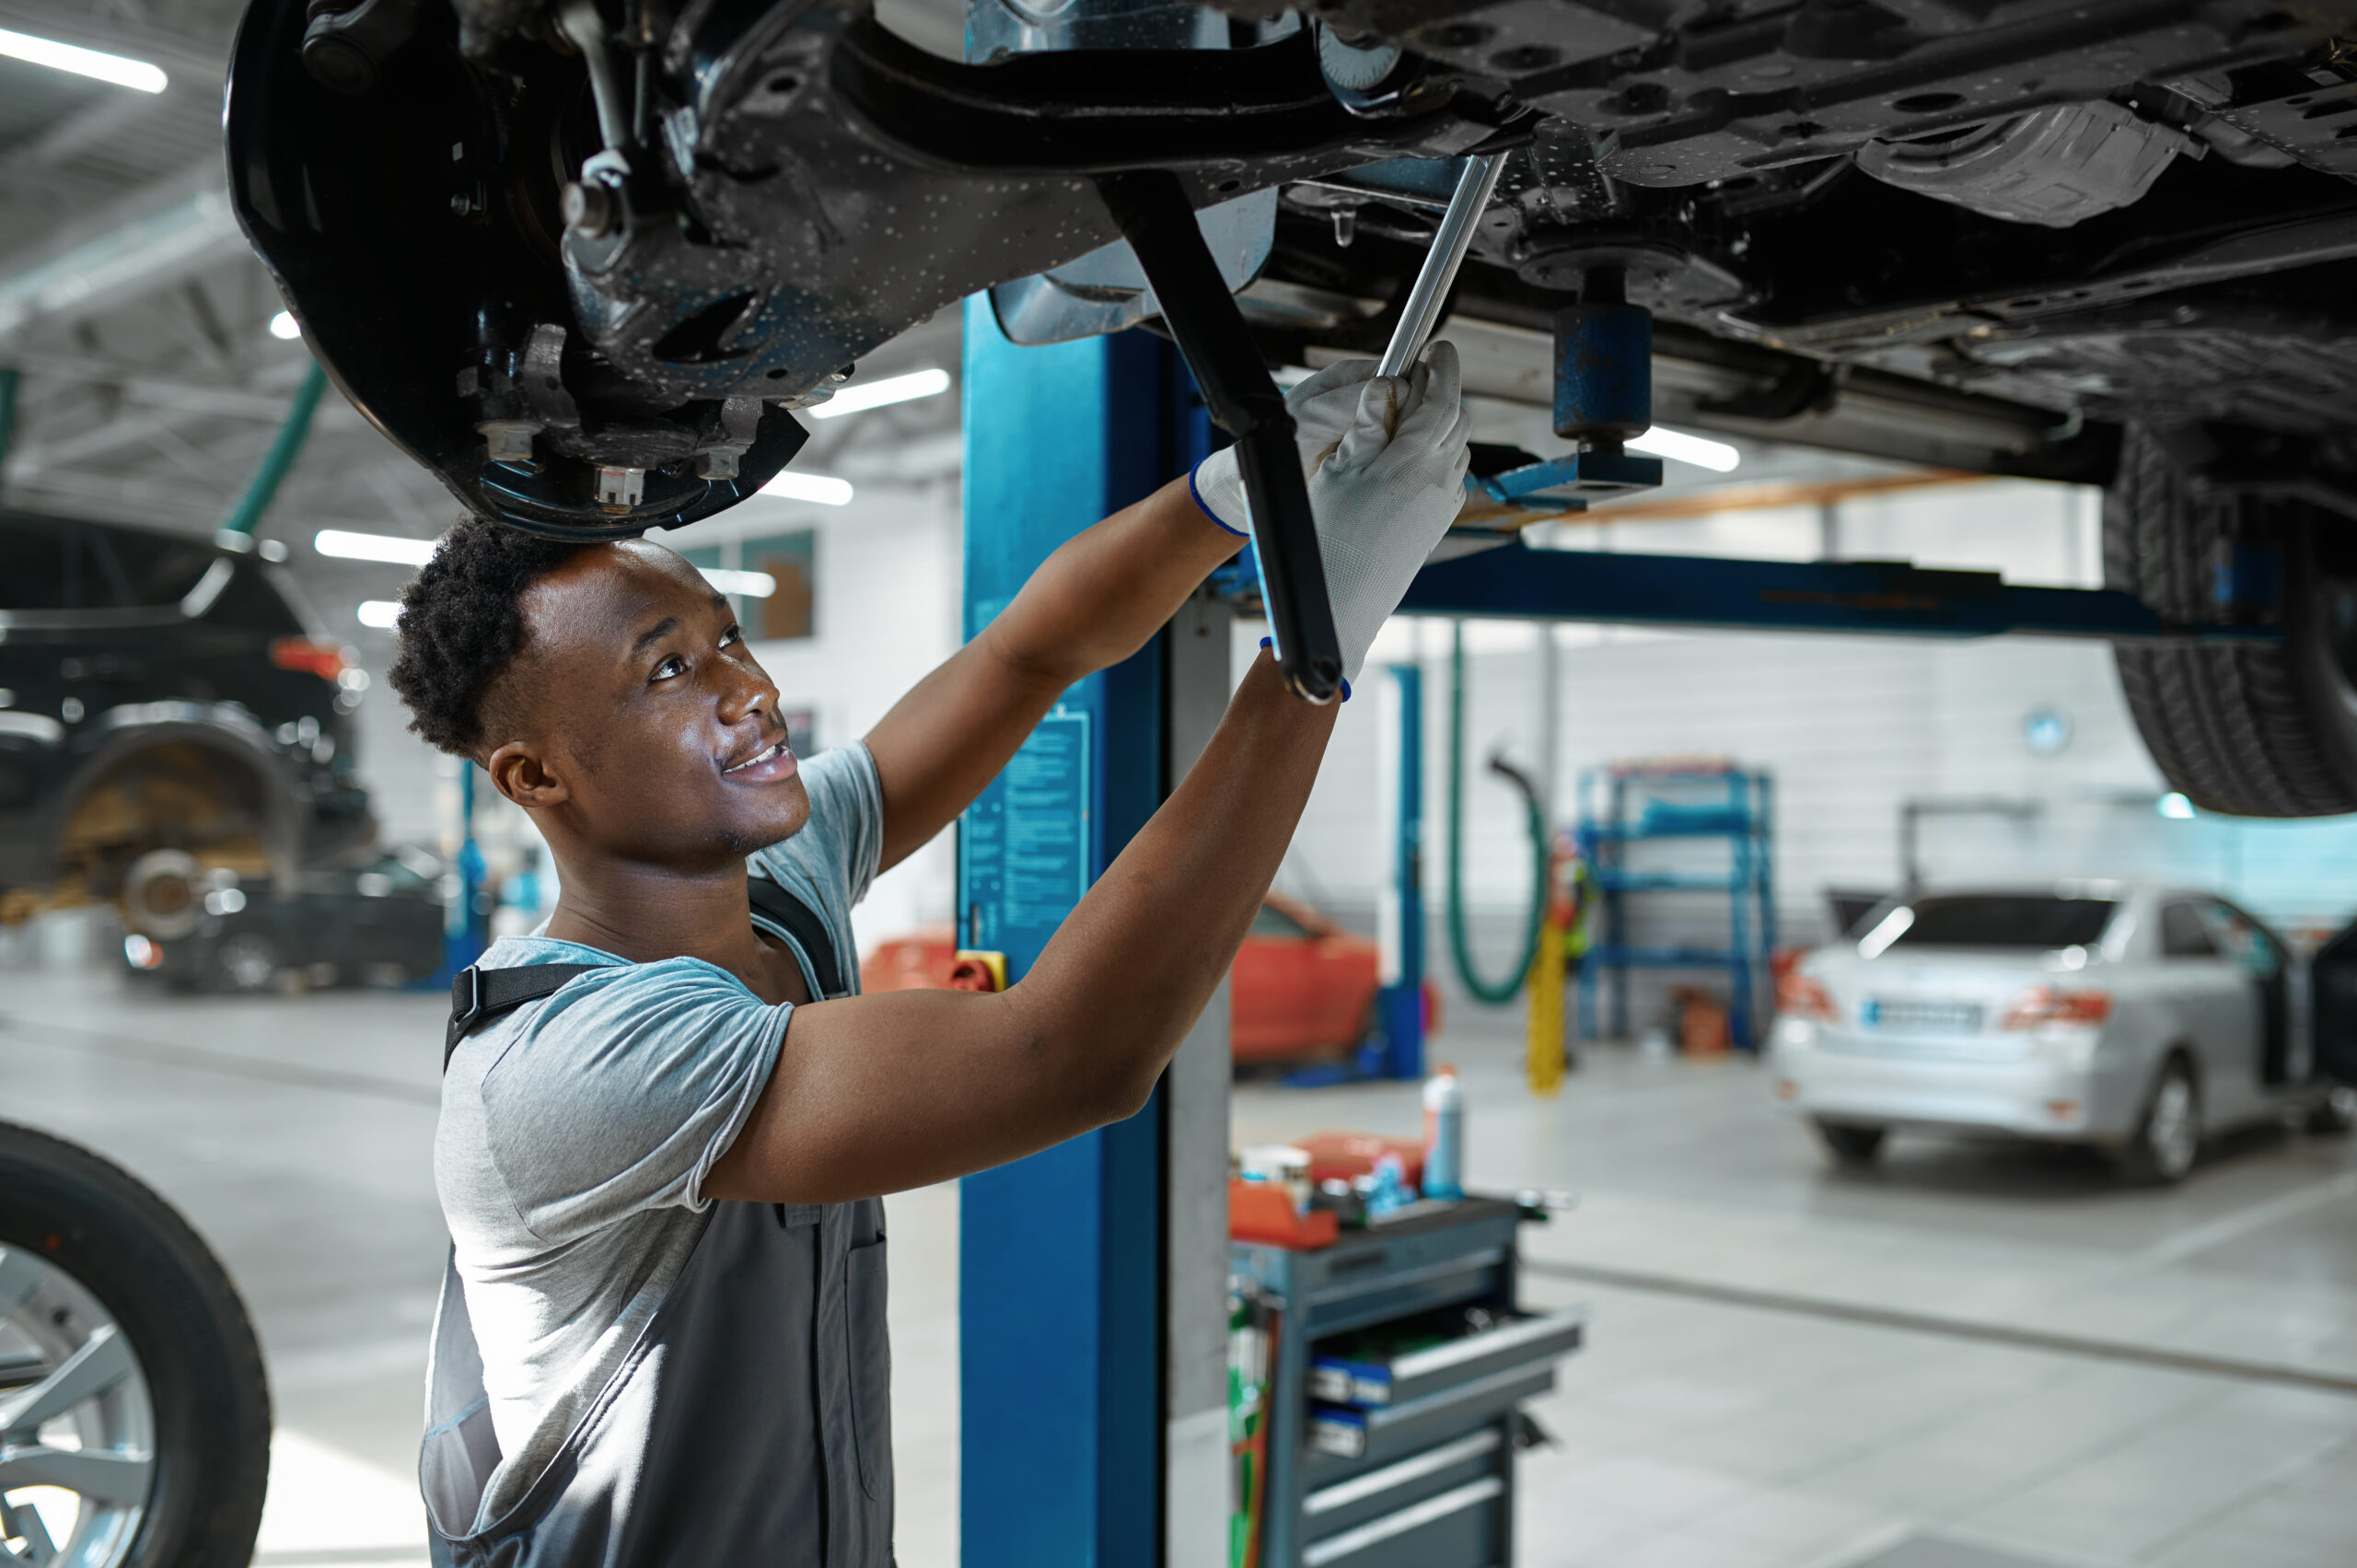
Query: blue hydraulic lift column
[1400, 912]
[1060, 1303]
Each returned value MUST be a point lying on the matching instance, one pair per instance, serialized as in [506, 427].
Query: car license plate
[1924, 1018]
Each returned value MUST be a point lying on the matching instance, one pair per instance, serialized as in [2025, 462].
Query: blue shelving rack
[1632, 803]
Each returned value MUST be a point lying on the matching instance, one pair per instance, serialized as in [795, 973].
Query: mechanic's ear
[517, 773]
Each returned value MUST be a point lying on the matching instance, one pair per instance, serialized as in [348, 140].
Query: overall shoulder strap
[478, 995]
[772, 902]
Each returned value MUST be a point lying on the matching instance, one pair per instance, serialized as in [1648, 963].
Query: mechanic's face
[653, 736]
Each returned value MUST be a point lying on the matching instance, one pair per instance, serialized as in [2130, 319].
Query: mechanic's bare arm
[879, 1094]
[1091, 604]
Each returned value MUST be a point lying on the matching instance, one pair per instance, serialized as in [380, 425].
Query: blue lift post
[466, 924]
[1396, 1048]
[1060, 1287]
[1400, 913]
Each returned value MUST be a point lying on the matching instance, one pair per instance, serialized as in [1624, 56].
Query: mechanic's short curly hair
[462, 625]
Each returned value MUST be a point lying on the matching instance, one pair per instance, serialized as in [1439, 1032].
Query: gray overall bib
[751, 1422]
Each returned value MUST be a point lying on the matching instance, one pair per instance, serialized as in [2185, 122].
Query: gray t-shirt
[576, 1133]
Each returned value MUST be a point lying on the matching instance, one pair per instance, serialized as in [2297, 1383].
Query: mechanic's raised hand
[1322, 408]
[1395, 483]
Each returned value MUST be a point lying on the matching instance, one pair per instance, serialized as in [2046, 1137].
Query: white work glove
[1383, 500]
[1322, 408]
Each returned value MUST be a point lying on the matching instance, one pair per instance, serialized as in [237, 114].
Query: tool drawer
[1344, 1496]
[1341, 1433]
[1468, 1520]
[1403, 1363]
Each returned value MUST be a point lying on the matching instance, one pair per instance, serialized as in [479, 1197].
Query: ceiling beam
[147, 241]
[276, 378]
[164, 409]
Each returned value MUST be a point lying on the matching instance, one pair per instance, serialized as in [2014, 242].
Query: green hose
[1505, 990]
[279, 461]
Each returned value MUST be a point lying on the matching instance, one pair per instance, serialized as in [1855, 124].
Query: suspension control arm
[1151, 206]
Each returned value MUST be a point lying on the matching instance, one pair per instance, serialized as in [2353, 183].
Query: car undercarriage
[585, 260]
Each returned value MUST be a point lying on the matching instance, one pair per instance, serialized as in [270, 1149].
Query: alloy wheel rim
[77, 1428]
[2171, 1133]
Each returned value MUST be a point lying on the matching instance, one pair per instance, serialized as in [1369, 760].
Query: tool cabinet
[1399, 1458]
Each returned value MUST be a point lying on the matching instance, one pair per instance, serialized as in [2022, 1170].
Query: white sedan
[2136, 1018]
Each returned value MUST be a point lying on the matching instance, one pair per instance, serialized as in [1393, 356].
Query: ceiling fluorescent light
[876, 394]
[381, 613]
[374, 547]
[134, 73]
[822, 488]
[1716, 456]
[284, 328]
[751, 585]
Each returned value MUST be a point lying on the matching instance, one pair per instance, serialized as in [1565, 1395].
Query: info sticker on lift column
[1024, 841]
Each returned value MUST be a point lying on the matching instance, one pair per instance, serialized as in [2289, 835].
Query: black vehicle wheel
[1852, 1143]
[246, 961]
[2247, 731]
[153, 1431]
[2167, 1140]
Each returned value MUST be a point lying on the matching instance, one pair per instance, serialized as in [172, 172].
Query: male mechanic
[667, 1118]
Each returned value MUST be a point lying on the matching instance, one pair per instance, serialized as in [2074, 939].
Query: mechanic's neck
[645, 912]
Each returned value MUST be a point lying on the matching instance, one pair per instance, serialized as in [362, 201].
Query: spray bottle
[1444, 1134]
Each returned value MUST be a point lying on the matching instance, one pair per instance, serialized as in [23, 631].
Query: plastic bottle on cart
[1444, 1134]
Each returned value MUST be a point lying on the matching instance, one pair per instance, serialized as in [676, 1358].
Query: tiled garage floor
[1971, 1358]
[1974, 1356]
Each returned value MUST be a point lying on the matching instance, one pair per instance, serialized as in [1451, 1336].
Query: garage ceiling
[140, 319]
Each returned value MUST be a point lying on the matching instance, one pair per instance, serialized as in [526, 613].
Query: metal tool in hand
[1157, 219]
[1439, 272]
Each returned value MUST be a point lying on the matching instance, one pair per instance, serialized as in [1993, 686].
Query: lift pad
[1569, 484]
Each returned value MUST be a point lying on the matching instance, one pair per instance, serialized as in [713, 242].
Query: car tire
[64, 1212]
[2167, 1141]
[2332, 1112]
[2249, 731]
[1852, 1143]
[246, 961]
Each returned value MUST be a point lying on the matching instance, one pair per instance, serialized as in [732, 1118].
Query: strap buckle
[466, 1000]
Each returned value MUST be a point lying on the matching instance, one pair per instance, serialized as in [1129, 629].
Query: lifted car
[583, 259]
[167, 713]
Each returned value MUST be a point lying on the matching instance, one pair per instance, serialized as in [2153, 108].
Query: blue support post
[1400, 923]
[1060, 1255]
[1396, 1048]
[466, 928]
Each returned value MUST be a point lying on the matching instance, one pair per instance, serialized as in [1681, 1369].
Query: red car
[1302, 987]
